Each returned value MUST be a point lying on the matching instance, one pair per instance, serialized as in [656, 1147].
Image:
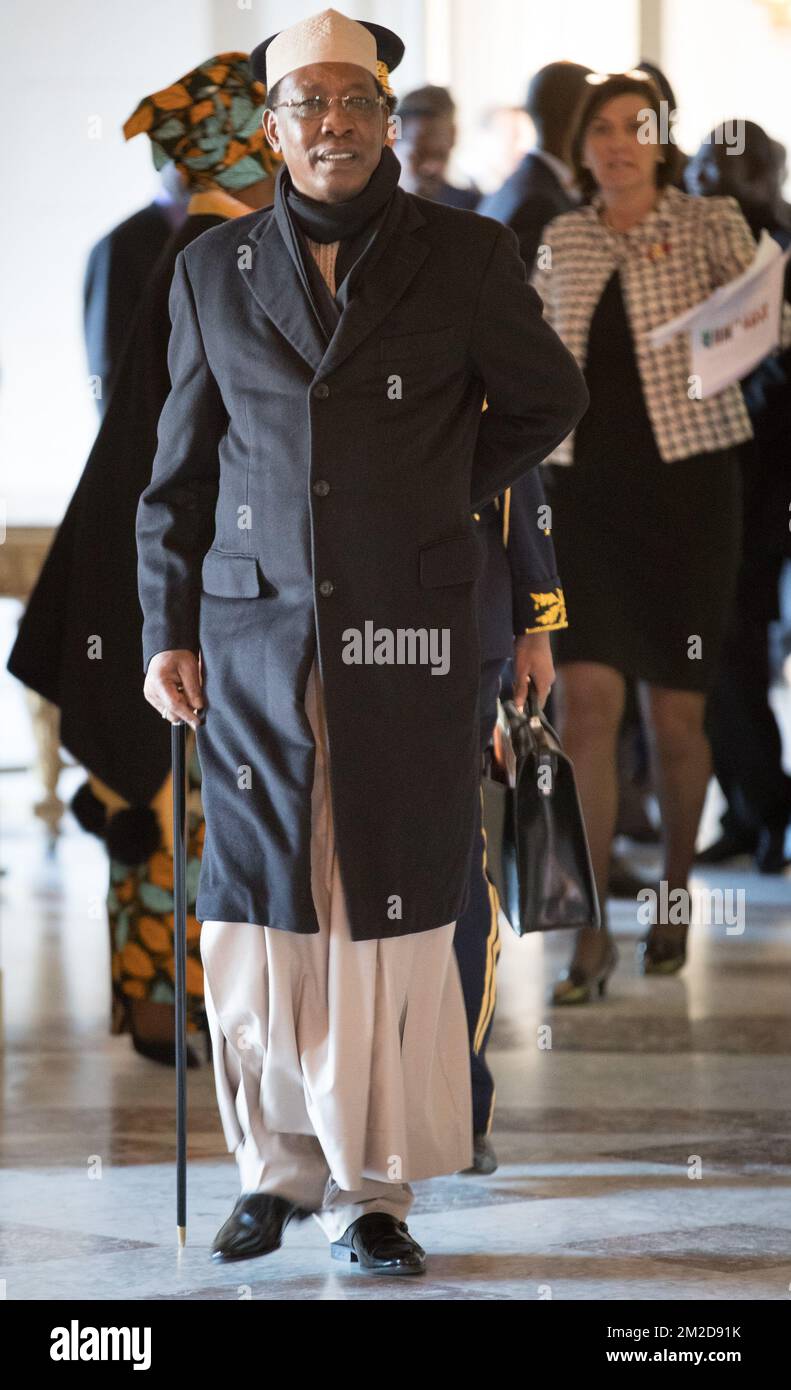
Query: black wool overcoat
[304, 492]
[87, 588]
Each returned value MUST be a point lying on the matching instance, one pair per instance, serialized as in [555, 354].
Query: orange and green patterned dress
[140, 910]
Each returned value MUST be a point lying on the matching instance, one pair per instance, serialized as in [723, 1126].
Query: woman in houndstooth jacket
[647, 519]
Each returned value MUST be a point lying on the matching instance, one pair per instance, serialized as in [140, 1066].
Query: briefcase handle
[531, 724]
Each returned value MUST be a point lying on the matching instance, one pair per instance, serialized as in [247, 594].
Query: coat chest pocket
[456, 560]
[228, 575]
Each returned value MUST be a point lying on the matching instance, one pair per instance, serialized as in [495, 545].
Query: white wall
[486, 50]
[65, 63]
[726, 59]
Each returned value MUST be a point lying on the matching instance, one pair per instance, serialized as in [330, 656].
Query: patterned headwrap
[209, 124]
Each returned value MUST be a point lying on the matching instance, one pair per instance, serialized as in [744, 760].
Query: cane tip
[182, 1235]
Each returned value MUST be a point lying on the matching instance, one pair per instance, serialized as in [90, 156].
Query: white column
[650, 22]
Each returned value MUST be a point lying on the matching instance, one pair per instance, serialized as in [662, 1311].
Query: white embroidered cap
[328, 37]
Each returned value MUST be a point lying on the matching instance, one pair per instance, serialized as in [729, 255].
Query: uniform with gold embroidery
[519, 592]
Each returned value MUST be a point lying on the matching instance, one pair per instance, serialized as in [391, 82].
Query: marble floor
[644, 1154]
[644, 1141]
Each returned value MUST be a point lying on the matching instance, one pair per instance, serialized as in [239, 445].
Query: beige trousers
[341, 1067]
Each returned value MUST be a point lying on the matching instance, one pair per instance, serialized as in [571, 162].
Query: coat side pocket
[232, 576]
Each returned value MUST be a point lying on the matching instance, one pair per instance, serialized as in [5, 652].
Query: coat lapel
[389, 267]
[274, 282]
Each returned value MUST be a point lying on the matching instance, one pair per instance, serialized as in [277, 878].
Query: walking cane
[178, 741]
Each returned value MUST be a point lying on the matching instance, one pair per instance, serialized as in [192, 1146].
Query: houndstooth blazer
[671, 261]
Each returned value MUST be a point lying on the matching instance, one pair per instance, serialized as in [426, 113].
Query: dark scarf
[336, 221]
[354, 223]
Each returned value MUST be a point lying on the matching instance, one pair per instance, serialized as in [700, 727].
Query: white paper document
[739, 323]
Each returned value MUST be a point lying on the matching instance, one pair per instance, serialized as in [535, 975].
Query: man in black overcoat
[542, 185]
[307, 572]
[118, 269]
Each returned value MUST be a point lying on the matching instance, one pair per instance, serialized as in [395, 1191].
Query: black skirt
[648, 552]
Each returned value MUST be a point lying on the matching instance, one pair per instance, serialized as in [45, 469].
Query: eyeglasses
[314, 108]
[597, 79]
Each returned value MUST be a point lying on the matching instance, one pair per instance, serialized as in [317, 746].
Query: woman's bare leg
[590, 699]
[682, 767]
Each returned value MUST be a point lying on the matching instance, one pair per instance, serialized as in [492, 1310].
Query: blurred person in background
[428, 134]
[118, 268]
[667, 94]
[88, 586]
[780, 154]
[500, 138]
[635, 785]
[646, 493]
[520, 602]
[542, 185]
[741, 726]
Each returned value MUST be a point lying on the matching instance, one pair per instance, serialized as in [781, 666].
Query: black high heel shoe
[662, 955]
[577, 985]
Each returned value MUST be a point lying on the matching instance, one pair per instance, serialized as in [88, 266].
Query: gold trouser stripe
[492, 953]
[493, 996]
[490, 1116]
[506, 515]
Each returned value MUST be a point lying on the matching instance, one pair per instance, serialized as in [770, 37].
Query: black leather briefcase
[536, 846]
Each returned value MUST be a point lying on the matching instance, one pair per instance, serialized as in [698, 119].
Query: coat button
[326, 587]
[321, 487]
[321, 391]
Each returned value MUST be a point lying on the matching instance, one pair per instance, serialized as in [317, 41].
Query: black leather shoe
[484, 1158]
[730, 845]
[159, 1050]
[255, 1226]
[621, 882]
[770, 851]
[381, 1244]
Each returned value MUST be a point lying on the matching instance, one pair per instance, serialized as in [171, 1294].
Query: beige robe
[341, 1067]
